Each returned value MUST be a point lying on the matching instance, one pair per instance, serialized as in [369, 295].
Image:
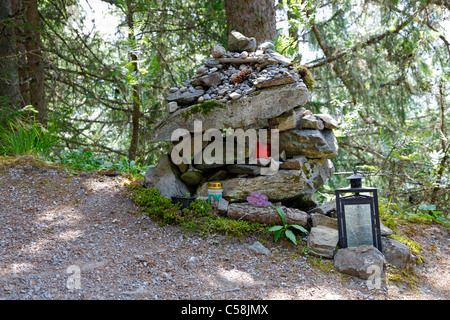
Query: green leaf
[282, 214]
[296, 226]
[427, 207]
[291, 236]
[442, 220]
[277, 235]
[275, 228]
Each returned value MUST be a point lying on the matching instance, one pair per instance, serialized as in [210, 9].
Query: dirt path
[80, 237]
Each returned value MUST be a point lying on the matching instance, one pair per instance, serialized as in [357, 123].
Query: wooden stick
[246, 60]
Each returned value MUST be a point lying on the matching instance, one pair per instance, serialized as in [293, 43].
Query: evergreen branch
[361, 45]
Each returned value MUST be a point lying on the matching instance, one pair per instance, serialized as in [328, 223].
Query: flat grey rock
[251, 111]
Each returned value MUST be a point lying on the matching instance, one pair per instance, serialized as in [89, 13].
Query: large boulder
[164, 177]
[228, 101]
[359, 261]
[251, 111]
[311, 143]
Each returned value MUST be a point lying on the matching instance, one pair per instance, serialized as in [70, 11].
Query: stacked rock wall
[255, 88]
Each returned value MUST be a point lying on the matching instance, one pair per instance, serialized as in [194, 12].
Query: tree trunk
[35, 61]
[9, 79]
[252, 18]
[135, 88]
[444, 147]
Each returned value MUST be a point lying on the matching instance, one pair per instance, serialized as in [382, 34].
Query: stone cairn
[253, 87]
[249, 87]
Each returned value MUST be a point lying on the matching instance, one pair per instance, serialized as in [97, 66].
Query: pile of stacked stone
[268, 94]
[231, 75]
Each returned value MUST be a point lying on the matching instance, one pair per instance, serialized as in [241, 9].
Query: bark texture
[35, 60]
[135, 87]
[9, 84]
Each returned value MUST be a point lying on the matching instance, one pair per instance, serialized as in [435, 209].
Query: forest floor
[80, 236]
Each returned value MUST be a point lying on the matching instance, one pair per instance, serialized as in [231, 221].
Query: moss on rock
[204, 108]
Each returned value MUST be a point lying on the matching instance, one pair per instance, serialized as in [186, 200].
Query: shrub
[87, 161]
[21, 136]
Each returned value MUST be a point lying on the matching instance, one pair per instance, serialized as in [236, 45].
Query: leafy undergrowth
[86, 161]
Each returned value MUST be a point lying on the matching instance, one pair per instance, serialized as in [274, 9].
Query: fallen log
[244, 211]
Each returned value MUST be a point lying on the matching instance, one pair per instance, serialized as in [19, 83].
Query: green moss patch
[306, 76]
[204, 108]
[199, 217]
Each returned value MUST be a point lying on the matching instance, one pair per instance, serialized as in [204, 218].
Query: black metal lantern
[357, 215]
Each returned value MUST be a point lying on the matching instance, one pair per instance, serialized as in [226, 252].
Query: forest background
[74, 95]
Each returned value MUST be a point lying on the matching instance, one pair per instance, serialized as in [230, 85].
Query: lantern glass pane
[358, 224]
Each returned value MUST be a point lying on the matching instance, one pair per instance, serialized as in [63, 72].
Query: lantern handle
[356, 175]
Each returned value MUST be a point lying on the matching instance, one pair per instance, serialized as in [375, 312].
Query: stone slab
[251, 111]
[310, 143]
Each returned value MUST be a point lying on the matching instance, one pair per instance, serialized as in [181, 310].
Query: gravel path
[80, 237]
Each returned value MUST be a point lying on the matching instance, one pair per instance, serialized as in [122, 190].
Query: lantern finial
[355, 179]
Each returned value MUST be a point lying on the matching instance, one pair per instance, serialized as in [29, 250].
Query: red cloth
[262, 150]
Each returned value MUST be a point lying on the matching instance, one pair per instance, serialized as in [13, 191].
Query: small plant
[285, 228]
[131, 167]
[429, 213]
[261, 200]
[391, 212]
[81, 160]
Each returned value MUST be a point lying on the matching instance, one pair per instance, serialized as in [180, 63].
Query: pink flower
[258, 199]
